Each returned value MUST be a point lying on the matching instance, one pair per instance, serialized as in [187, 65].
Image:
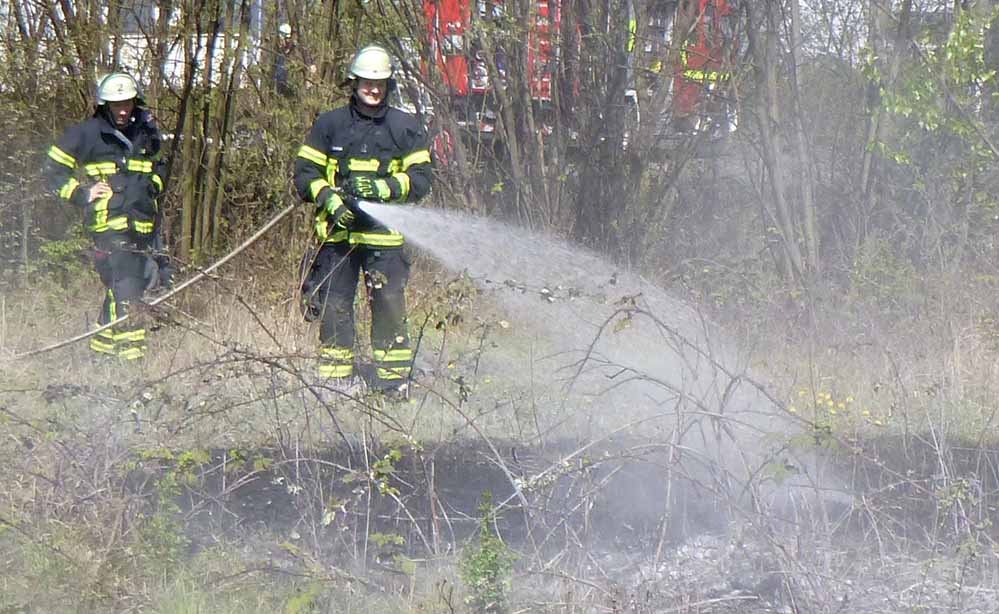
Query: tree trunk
[763, 31]
[810, 232]
[876, 115]
[220, 174]
[208, 149]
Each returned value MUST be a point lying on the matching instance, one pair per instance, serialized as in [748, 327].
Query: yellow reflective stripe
[363, 166]
[336, 370]
[339, 236]
[700, 75]
[66, 191]
[132, 353]
[95, 169]
[312, 155]
[390, 239]
[143, 227]
[396, 355]
[337, 354]
[100, 215]
[632, 31]
[403, 180]
[115, 223]
[139, 166]
[158, 182]
[62, 157]
[393, 373]
[112, 308]
[99, 345]
[317, 186]
[420, 156]
[131, 336]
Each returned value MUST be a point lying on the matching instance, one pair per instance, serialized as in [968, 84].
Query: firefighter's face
[371, 91]
[121, 111]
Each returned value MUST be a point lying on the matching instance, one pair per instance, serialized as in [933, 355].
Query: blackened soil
[436, 498]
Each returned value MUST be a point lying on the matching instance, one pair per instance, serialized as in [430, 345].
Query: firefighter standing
[704, 66]
[285, 63]
[109, 167]
[282, 59]
[363, 150]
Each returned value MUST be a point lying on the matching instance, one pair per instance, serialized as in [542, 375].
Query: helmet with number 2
[116, 87]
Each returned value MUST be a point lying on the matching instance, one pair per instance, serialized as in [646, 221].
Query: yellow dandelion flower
[866, 412]
[850, 399]
[792, 410]
[830, 403]
[802, 393]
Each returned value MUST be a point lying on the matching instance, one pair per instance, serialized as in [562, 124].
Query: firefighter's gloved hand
[370, 188]
[339, 213]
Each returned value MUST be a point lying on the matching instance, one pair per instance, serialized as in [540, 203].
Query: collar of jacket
[104, 112]
[378, 113]
[125, 135]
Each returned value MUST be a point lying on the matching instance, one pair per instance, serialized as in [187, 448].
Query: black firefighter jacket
[128, 160]
[345, 142]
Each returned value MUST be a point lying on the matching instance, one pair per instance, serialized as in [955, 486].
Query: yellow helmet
[371, 62]
[116, 87]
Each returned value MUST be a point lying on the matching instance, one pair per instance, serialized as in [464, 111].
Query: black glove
[370, 188]
[339, 214]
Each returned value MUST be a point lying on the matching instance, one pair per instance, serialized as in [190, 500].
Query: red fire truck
[465, 70]
[703, 30]
[706, 32]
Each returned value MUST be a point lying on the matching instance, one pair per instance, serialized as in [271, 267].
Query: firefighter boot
[392, 372]
[336, 371]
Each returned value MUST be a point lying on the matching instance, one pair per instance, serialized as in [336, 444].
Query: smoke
[619, 357]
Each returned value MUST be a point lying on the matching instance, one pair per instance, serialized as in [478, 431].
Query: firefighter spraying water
[369, 150]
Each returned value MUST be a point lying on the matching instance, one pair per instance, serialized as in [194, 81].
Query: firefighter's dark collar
[370, 112]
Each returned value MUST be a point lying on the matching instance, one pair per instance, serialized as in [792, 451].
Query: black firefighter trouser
[332, 284]
[121, 264]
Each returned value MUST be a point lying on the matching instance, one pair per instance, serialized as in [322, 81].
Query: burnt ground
[611, 517]
[434, 496]
[620, 526]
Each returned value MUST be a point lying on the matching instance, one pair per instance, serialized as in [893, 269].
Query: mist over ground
[745, 361]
